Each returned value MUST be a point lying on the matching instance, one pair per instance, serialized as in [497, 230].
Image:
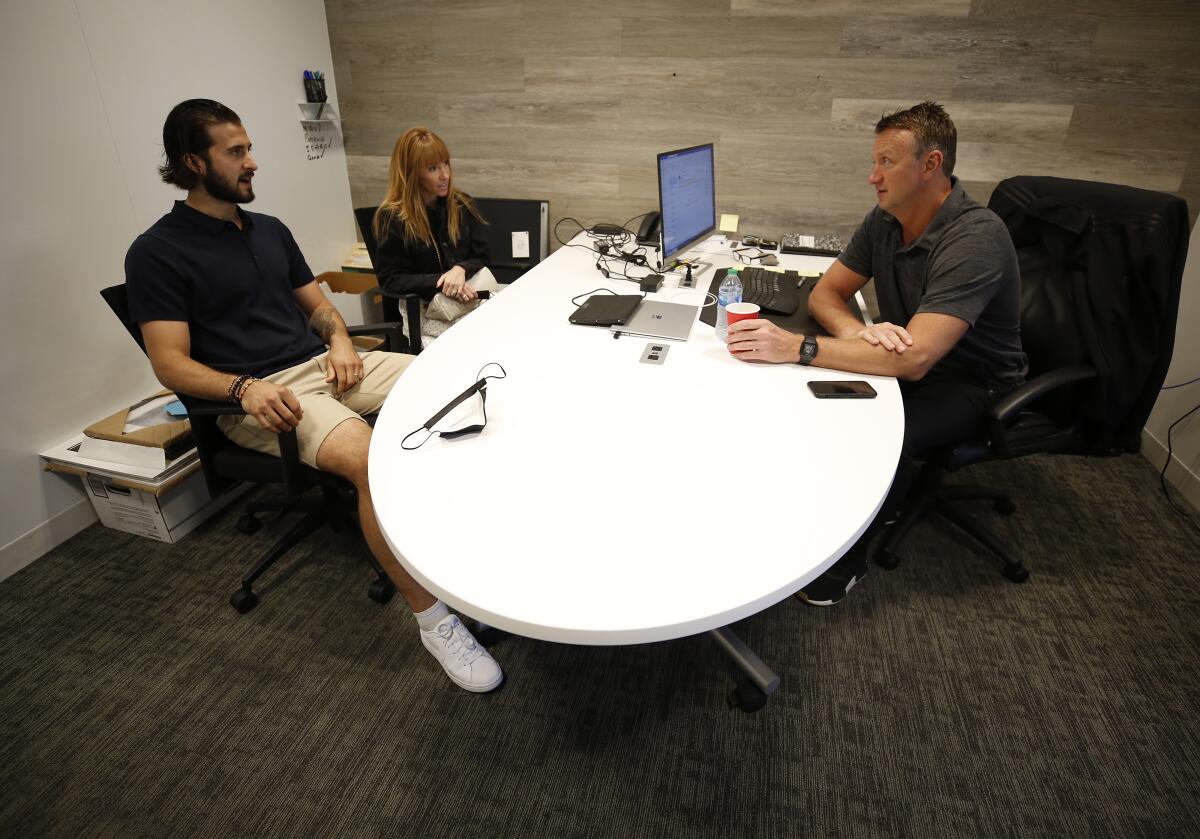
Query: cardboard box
[347, 292]
[138, 437]
[166, 514]
[165, 508]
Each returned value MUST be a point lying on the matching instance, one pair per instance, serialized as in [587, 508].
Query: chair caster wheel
[248, 524]
[1016, 572]
[1005, 506]
[243, 600]
[747, 697]
[887, 560]
[381, 591]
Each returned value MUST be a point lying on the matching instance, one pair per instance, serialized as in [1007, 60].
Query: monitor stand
[680, 264]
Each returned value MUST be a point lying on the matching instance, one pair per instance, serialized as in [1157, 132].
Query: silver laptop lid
[670, 321]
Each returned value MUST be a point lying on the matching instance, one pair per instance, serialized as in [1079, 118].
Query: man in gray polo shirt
[948, 286]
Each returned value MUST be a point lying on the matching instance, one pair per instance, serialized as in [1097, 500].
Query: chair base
[327, 510]
[931, 496]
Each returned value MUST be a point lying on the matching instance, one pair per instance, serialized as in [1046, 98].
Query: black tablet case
[606, 309]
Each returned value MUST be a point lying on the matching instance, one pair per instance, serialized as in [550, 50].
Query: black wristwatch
[808, 350]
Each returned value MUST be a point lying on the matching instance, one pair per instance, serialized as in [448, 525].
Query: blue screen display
[685, 193]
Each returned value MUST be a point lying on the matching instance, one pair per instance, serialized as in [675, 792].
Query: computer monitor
[686, 198]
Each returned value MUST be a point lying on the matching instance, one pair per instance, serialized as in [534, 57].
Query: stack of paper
[70, 454]
[358, 258]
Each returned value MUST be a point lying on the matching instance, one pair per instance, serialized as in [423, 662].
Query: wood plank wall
[570, 101]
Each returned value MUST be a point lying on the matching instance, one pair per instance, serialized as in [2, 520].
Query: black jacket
[406, 267]
[1102, 263]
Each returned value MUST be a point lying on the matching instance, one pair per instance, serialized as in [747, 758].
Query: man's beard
[223, 191]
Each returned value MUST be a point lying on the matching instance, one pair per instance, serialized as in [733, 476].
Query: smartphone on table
[842, 390]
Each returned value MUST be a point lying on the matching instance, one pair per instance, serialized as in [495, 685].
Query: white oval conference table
[609, 501]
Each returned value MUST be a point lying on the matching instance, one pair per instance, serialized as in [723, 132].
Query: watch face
[808, 350]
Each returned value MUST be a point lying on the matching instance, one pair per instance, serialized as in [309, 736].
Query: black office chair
[1101, 267]
[504, 216]
[365, 216]
[225, 465]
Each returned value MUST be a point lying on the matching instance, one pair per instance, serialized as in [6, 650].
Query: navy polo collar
[191, 216]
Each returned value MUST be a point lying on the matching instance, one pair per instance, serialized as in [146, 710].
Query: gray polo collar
[951, 209]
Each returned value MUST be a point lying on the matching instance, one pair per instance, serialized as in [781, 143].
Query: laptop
[606, 309]
[670, 321]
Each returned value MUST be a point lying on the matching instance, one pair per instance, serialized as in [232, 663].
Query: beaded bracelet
[237, 387]
[245, 386]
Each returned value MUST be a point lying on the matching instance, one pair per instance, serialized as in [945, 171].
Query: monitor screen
[686, 197]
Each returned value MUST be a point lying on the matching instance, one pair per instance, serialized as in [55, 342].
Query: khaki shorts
[323, 409]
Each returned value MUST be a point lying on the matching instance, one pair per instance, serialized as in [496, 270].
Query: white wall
[88, 84]
[1184, 471]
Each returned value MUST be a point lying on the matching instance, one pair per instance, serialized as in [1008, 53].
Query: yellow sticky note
[729, 223]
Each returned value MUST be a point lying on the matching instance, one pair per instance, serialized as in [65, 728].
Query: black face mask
[480, 387]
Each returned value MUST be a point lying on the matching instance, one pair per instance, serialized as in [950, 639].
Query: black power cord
[1181, 384]
[607, 242]
[1162, 475]
[575, 300]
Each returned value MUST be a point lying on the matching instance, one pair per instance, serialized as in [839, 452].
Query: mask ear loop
[408, 448]
[503, 372]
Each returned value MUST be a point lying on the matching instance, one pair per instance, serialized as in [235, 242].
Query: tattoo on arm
[326, 322]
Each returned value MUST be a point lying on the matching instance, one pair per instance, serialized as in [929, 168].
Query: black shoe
[833, 585]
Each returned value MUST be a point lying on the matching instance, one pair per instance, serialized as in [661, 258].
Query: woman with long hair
[429, 231]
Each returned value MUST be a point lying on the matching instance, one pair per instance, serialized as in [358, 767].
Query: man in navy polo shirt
[229, 309]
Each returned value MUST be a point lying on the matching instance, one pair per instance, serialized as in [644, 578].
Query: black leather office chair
[225, 465]
[1101, 267]
[504, 216]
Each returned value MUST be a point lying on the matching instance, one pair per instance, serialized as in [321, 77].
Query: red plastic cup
[741, 311]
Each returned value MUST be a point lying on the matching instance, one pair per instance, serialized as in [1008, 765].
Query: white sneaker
[464, 659]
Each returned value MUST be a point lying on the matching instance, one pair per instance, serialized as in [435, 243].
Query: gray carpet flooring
[937, 700]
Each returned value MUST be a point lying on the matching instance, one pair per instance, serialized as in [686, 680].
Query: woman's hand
[453, 284]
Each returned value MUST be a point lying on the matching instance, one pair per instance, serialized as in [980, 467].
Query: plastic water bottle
[729, 292]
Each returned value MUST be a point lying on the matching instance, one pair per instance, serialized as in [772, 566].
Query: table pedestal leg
[763, 677]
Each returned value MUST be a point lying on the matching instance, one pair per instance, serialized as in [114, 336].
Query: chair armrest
[412, 312]
[395, 295]
[212, 408]
[1007, 408]
[484, 294]
[289, 448]
[392, 333]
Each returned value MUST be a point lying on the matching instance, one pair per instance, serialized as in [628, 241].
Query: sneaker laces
[457, 640]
